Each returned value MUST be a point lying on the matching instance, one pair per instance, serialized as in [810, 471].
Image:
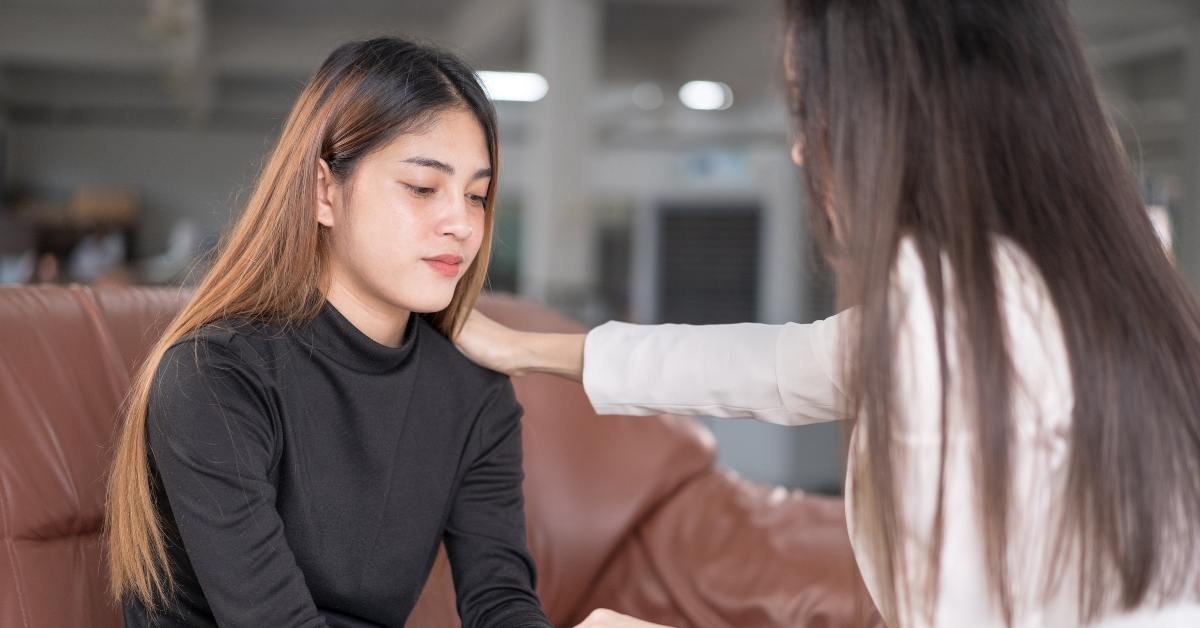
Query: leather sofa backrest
[65, 359]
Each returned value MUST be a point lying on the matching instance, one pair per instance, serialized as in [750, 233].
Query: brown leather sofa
[626, 513]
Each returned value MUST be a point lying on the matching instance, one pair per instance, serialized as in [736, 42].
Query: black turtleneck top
[306, 474]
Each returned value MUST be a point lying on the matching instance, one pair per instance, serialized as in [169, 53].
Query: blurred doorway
[708, 264]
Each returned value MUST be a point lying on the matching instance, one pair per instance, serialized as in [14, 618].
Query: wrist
[554, 354]
[562, 355]
[525, 357]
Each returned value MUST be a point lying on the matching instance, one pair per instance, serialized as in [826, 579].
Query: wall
[200, 176]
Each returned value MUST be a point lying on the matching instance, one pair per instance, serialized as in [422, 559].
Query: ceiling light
[647, 96]
[706, 95]
[515, 86]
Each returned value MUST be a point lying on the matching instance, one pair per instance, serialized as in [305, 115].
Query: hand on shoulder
[515, 353]
[490, 344]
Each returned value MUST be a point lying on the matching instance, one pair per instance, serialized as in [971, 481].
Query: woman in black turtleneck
[313, 471]
[305, 435]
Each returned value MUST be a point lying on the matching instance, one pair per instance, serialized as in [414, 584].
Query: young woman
[304, 435]
[1021, 356]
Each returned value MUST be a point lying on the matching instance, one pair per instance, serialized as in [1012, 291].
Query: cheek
[477, 222]
[378, 236]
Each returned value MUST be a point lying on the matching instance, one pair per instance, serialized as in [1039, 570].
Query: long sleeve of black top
[305, 477]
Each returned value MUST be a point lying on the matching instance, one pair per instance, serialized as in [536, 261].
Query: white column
[782, 275]
[556, 242]
[1187, 227]
[643, 267]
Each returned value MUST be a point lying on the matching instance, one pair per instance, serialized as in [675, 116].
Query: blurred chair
[623, 512]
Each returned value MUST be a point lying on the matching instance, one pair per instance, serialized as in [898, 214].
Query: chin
[420, 295]
[427, 305]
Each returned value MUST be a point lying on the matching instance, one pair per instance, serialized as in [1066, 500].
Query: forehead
[454, 137]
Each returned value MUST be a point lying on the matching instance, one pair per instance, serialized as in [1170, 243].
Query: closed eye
[420, 191]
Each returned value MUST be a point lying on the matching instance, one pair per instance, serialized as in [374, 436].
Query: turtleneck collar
[338, 338]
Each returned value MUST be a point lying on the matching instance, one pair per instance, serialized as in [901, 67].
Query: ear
[328, 193]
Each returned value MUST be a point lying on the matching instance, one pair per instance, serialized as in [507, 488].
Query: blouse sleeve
[783, 374]
[213, 441]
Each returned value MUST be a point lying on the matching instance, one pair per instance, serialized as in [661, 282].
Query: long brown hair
[273, 264]
[953, 122]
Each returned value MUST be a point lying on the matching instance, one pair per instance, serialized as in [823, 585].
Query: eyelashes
[423, 192]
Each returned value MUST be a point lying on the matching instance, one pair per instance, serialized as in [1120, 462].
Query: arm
[781, 374]
[213, 441]
[494, 575]
[787, 374]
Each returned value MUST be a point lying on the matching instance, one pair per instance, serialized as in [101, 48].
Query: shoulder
[211, 399]
[226, 349]
[1018, 277]
[209, 382]
[439, 353]
[473, 388]
[1021, 286]
[238, 338]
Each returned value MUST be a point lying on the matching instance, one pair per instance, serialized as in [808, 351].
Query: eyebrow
[442, 166]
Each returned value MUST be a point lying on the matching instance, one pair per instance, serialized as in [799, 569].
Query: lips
[445, 265]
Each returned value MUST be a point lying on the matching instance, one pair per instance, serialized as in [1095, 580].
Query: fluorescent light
[516, 86]
[706, 95]
[647, 96]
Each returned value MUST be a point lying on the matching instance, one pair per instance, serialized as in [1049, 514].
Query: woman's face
[408, 222]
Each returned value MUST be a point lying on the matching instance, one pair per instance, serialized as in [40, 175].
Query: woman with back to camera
[1022, 357]
[305, 435]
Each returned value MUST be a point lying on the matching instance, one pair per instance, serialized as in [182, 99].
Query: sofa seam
[12, 555]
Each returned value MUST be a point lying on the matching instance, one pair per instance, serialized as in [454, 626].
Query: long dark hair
[273, 265]
[954, 122]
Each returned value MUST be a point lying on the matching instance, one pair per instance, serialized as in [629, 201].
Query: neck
[380, 321]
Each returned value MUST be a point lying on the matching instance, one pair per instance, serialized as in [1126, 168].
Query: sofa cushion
[726, 553]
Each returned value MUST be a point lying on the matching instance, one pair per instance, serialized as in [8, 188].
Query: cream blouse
[791, 375]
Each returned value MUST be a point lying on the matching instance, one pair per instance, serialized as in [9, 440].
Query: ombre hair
[273, 265]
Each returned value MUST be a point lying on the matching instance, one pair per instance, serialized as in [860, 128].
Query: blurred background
[645, 171]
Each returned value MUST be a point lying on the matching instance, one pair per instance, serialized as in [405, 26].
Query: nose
[456, 221]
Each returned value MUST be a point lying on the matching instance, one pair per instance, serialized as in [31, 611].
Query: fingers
[605, 618]
[474, 319]
[487, 343]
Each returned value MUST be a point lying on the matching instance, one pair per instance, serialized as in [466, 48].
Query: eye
[420, 191]
[477, 199]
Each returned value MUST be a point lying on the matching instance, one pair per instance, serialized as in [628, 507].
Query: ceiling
[238, 64]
